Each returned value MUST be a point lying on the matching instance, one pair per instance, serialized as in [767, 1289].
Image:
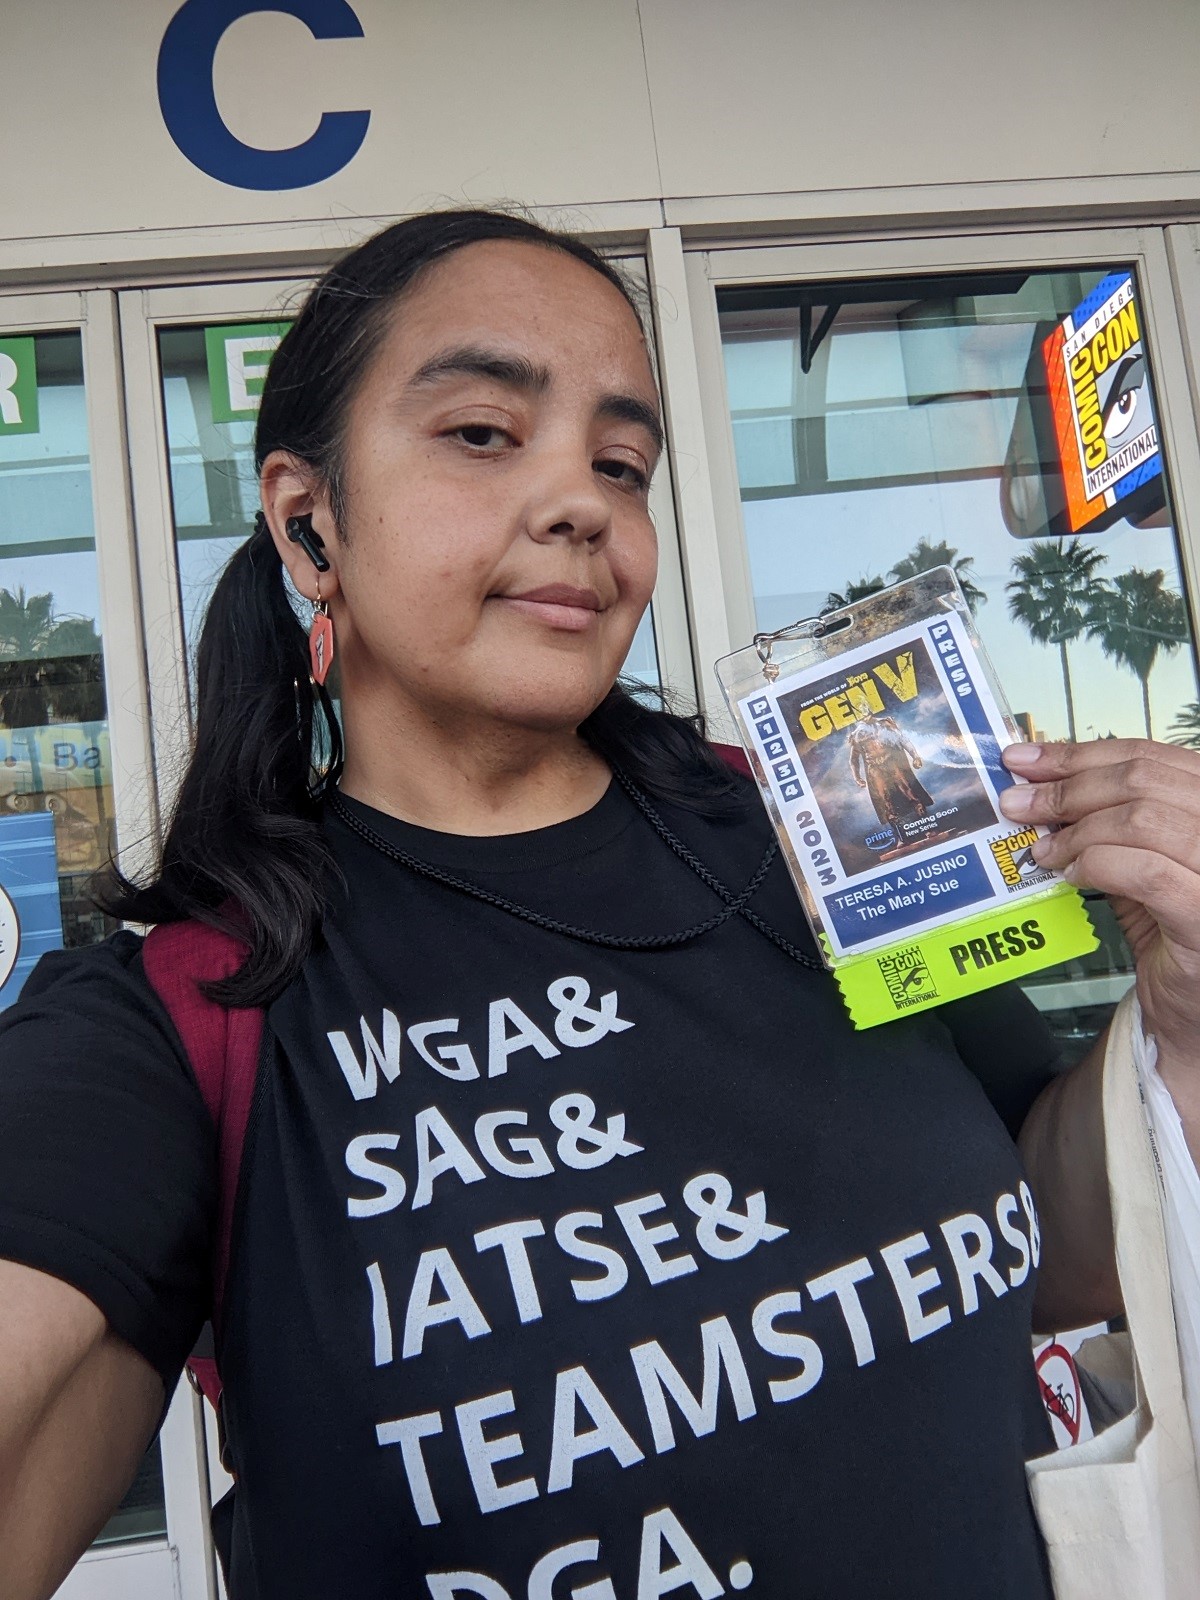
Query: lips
[561, 594]
[557, 605]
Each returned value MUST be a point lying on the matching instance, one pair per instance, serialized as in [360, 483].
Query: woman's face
[497, 550]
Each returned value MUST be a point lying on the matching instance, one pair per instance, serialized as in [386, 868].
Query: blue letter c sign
[189, 106]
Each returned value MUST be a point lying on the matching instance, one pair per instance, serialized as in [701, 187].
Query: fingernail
[1017, 800]
[1040, 848]
[1021, 756]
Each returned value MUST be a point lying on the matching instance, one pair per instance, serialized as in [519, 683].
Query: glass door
[1016, 409]
[75, 772]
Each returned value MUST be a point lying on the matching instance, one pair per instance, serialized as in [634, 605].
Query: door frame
[137, 1569]
[141, 313]
[93, 314]
[1166, 335]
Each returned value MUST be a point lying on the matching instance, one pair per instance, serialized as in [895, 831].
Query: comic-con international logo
[1014, 857]
[907, 976]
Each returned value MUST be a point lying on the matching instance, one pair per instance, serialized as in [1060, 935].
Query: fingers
[1143, 824]
[1069, 782]
[1128, 819]
[1039, 762]
[1169, 891]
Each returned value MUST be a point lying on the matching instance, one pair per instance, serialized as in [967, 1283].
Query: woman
[581, 1247]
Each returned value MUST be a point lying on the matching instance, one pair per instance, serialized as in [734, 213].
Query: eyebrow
[516, 372]
[469, 361]
[628, 408]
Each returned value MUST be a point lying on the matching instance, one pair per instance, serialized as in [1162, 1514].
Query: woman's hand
[1128, 812]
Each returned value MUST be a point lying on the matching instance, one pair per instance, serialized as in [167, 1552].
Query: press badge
[875, 734]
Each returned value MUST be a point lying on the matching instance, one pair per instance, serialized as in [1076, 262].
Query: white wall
[619, 111]
[780, 95]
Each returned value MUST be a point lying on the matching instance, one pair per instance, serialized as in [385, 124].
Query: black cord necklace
[736, 905]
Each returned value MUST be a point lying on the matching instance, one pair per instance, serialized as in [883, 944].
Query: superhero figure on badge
[882, 761]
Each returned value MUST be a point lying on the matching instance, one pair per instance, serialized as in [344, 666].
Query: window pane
[641, 664]
[56, 799]
[214, 487]
[1006, 424]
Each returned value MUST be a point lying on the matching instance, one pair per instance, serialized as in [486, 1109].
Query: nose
[567, 502]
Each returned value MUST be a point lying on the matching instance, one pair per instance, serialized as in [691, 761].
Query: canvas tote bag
[1120, 1513]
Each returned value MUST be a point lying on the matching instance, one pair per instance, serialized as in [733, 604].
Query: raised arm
[1062, 1143]
[1129, 815]
[107, 1206]
[78, 1407]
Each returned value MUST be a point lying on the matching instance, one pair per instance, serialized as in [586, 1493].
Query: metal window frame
[137, 1570]
[669, 605]
[142, 312]
[1169, 275]
[1183, 249]
[92, 314]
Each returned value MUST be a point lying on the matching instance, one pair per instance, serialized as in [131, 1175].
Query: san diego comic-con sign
[1105, 432]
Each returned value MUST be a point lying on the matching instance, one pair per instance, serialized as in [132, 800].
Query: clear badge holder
[875, 734]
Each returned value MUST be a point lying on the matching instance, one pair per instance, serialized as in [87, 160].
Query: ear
[288, 487]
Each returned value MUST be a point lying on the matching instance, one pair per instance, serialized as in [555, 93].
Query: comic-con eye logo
[1014, 856]
[907, 976]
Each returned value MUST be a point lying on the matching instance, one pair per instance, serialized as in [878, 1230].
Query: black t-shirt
[564, 1271]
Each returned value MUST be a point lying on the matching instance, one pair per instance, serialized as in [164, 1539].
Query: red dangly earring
[320, 638]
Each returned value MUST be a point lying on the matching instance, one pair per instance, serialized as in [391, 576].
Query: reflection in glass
[56, 801]
[881, 426]
[54, 755]
[1005, 425]
[214, 488]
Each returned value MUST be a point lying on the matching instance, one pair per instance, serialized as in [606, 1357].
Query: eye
[1119, 417]
[1123, 397]
[482, 435]
[624, 473]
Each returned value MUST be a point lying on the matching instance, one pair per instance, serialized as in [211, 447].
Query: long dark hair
[244, 849]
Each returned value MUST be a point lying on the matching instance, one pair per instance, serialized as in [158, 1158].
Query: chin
[542, 713]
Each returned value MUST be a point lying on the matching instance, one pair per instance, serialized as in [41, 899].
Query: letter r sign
[18, 386]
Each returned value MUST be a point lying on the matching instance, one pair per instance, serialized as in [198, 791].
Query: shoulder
[93, 1004]
[107, 1150]
[112, 968]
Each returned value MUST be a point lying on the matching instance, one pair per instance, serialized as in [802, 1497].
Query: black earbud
[300, 531]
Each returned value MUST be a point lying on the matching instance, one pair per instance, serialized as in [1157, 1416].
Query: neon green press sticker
[961, 958]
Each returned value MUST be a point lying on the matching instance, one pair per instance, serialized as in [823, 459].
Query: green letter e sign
[18, 386]
[238, 358]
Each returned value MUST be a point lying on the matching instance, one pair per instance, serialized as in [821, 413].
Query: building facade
[864, 234]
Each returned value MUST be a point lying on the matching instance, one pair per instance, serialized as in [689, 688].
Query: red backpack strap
[223, 1047]
[734, 756]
